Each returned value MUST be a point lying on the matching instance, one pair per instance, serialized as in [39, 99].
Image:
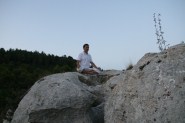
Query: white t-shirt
[85, 60]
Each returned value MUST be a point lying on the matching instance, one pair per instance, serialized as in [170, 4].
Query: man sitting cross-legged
[85, 64]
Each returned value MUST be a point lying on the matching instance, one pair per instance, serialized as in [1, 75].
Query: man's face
[86, 48]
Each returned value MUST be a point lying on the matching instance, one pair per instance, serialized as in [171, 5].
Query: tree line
[20, 69]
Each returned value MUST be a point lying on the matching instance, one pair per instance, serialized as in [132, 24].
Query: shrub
[159, 33]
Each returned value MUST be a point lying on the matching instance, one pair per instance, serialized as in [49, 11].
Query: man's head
[86, 48]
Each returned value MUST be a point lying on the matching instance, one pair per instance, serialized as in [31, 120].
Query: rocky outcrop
[152, 91]
[52, 97]
[64, 98]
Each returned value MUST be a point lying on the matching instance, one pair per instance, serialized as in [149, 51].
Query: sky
[119, 32]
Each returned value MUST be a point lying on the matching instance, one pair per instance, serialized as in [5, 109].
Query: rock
[58, 98]
[153, 91]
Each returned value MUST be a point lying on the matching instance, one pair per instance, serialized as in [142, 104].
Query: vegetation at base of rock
[19, 69]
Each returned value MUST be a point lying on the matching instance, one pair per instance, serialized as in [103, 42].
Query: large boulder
[153, 91]
[58, 98]
[65, 98]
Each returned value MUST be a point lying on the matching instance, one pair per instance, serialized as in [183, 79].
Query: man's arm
[93, 65]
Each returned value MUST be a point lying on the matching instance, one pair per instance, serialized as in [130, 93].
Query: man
[85, 64]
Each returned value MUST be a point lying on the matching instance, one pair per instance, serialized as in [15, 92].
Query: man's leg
[89, 71]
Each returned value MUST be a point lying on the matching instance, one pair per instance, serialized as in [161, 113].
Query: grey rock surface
[59, 98]
[153, 91]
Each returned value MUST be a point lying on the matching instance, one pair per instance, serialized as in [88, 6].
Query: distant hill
[19, 69]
